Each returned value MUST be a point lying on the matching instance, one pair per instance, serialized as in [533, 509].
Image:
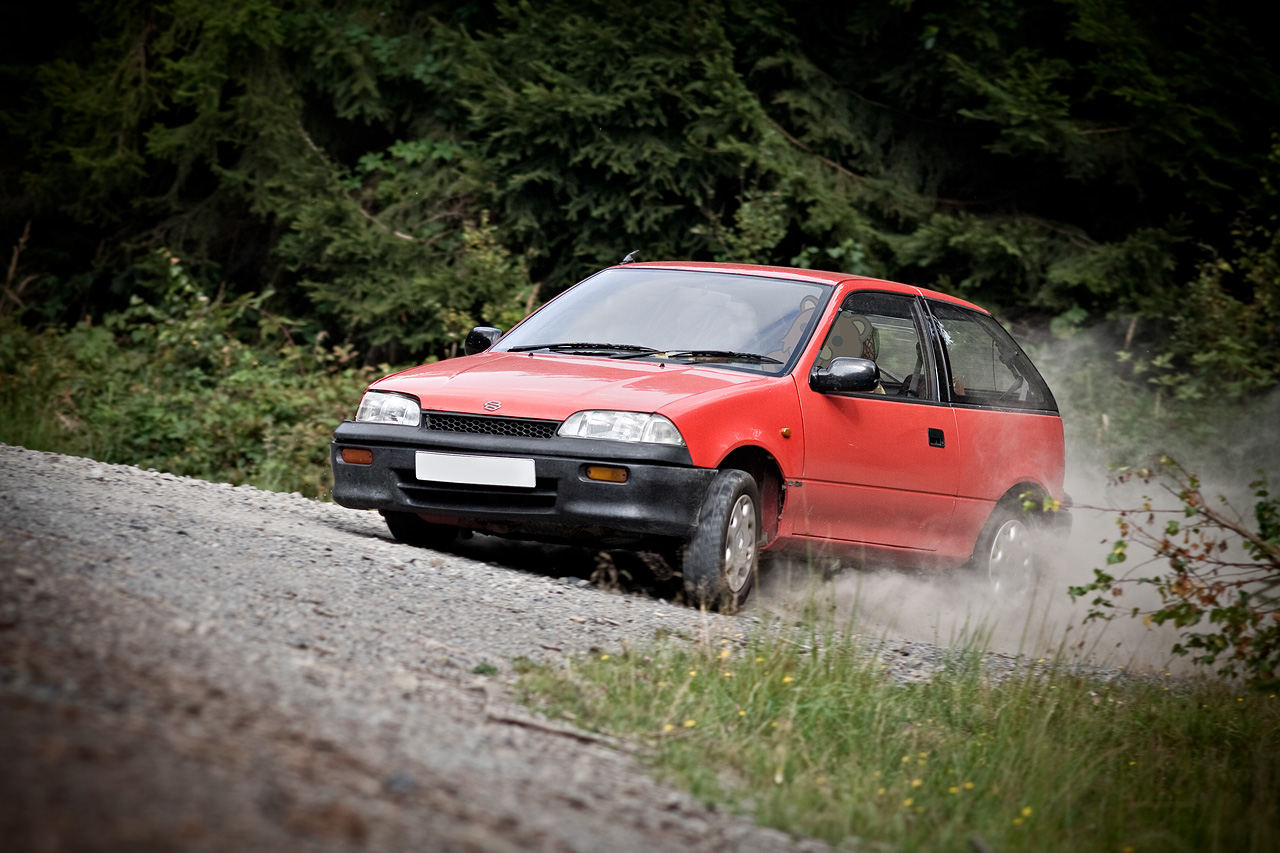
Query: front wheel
[409, 528]
[1006, 554]
[721, 559]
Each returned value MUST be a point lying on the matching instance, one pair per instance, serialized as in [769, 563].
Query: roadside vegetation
[346, 187]
[209, 387]
[806, 732]
[1216, 571]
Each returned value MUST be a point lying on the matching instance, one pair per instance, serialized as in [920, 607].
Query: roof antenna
[631, 257]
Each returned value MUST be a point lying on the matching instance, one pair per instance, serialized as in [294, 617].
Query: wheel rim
[740, 544]
[1010, 563]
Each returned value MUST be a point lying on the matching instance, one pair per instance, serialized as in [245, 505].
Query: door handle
[937, 438]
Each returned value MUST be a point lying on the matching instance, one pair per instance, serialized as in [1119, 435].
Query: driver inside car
[851, 336]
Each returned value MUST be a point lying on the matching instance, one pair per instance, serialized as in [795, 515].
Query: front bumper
[660, 500]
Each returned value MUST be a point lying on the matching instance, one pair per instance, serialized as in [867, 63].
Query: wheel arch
[762, 467]
[1010, 502]
[1026, 490]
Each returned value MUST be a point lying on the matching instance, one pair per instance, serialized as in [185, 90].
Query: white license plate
[474, 470]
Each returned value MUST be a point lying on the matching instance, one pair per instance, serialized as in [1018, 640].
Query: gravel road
[191, 665]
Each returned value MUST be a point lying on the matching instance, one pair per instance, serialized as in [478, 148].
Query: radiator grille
[482, 425]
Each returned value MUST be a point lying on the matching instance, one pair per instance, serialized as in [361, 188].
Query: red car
[712, 411]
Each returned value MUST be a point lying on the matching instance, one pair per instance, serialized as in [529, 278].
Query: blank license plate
[474, 470]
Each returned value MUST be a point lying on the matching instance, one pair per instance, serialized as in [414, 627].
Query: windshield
[740, 321]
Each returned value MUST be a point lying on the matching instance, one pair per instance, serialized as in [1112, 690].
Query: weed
[811, 737]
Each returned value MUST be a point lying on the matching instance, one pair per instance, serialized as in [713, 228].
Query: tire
[1006, 553]
[721, 560]
[408, 528]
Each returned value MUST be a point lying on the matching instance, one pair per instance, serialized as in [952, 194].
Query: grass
[810, 736]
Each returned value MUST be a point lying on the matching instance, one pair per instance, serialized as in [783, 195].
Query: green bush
[174, 383]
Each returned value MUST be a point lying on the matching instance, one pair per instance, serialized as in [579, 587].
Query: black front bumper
[660, 499]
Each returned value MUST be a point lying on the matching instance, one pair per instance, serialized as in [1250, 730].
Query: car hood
[552, 387]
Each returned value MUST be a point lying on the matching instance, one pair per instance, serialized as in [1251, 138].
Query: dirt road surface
[187, 665]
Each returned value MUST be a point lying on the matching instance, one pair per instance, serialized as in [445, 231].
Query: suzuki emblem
[492, 406]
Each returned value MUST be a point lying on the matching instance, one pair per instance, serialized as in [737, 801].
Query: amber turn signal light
[357, 456]
[606, 475]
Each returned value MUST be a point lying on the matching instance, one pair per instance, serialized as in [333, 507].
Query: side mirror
[846, 376]
[480, 339]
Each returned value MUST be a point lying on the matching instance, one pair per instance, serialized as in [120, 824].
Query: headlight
[621, 426]
[379, 407]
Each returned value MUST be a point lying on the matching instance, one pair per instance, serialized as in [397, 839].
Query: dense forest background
[227, 215]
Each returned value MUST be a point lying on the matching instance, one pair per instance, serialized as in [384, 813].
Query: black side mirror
[846, 376]
[480, 339]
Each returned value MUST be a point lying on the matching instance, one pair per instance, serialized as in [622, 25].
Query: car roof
[797, 274]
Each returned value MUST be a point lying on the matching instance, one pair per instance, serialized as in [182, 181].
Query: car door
[1007, 422]
[879, 467]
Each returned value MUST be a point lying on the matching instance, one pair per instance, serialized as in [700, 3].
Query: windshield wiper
[589, 345]
[718, 353]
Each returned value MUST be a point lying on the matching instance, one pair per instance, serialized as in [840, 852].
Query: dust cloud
[948, 607]
[957, 607]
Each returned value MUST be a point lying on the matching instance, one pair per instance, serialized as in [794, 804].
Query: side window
[988, 368]
[881, 327]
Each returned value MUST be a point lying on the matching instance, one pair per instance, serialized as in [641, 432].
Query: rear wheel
[1006, 553]
[721, 559]
[409, 528]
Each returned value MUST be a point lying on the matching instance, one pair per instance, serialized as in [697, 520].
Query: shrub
[1223, 577]
[185, 383]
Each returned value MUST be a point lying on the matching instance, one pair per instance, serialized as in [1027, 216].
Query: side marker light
[357, 456]
[606, 475]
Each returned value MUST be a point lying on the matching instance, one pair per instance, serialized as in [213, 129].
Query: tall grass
[810, 736]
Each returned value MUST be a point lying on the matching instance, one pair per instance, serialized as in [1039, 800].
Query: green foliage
[171, 383]
[193, 126]
[1225, 334]
[1202, 358]
[1222, 584]
[804, 730]
[388, 174]
[1047, 156]
[599, 127]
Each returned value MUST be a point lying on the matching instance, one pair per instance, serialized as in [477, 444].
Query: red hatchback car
[712, 411]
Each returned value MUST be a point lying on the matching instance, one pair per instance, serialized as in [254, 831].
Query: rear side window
[987, 366]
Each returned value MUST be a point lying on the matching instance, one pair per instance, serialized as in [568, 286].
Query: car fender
[765, 415]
